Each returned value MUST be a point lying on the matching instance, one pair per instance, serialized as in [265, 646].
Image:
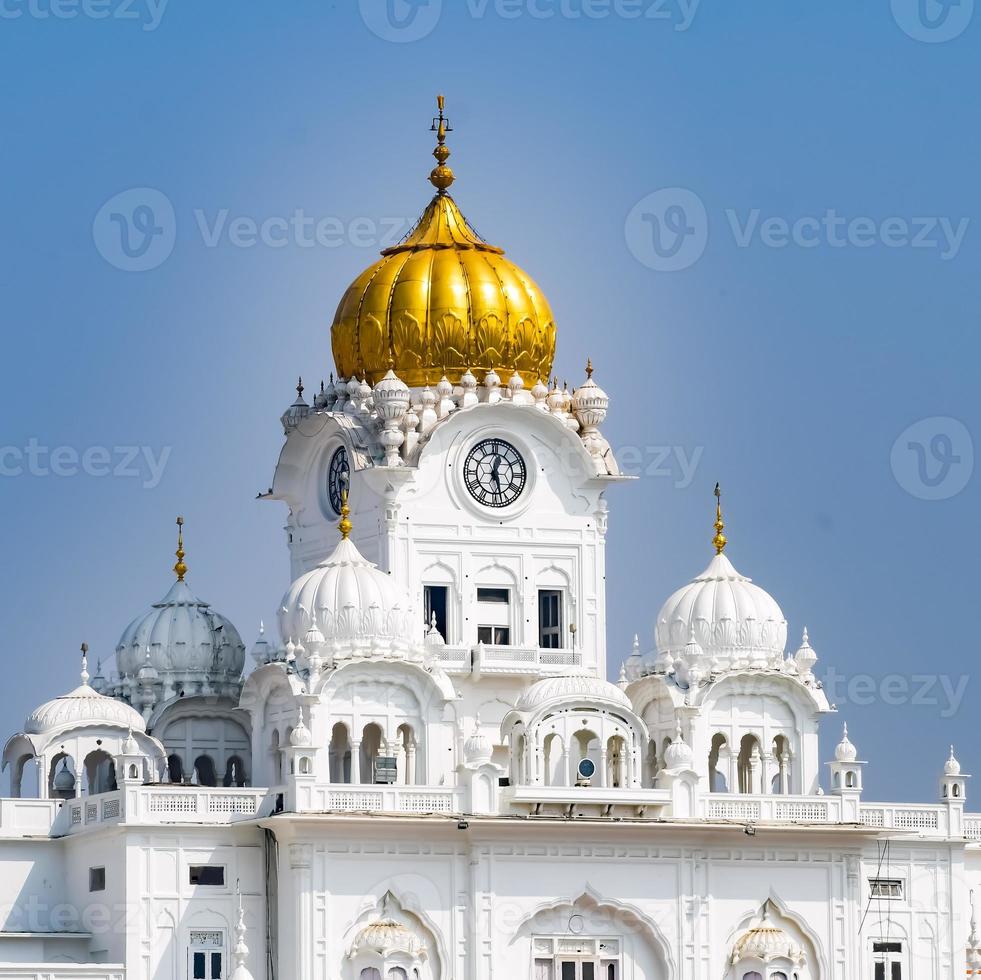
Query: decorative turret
[953, 792]
[846, 778]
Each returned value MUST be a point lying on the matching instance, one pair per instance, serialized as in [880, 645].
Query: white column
[355, 761]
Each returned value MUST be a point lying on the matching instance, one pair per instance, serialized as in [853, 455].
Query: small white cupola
[846, 777]
[722, 616]
[357, 609]
[953, 784]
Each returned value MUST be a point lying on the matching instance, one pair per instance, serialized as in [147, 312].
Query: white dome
[678, 755]
[185, 636]
[354, 602]
[387, 937]
[726, 614]
[766, 942]
[570, 687]
[83, 706]
[844, 750]
[952, 767]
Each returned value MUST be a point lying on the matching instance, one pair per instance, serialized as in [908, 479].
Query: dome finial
[180, 569]
[345, 526]
[720, 539]
[589, 367]
[85, 668]
[441, 176]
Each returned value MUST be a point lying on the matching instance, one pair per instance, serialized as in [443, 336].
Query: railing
[504, 659]
[972, 828]
[62, 971]
[27, 818]
[771, 809]
[163, 805]
[893, 816]
[381, 799]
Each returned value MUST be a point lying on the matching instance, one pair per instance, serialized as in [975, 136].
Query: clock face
[495, 473]
[338, 478]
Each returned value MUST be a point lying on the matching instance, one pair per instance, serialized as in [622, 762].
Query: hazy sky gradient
[787, 373]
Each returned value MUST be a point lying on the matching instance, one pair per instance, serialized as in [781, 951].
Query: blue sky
[757, 219]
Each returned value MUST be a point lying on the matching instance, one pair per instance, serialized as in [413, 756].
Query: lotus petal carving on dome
[490, 341]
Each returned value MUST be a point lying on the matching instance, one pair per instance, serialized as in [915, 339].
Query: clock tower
[476, 485]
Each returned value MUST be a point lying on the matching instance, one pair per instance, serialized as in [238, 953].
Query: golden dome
[441, 301]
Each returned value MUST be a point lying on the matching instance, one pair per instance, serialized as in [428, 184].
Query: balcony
[23, 817]
[375, 798]
[489, 659]
[588, 801]
[163, 805]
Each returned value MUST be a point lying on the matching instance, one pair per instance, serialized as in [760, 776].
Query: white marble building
[426, 775]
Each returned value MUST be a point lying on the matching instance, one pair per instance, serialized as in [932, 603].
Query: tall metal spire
[180, 569]
[720, 540]
[441, 176]
[345, 526]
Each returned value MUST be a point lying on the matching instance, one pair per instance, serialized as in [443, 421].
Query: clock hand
[496, 472]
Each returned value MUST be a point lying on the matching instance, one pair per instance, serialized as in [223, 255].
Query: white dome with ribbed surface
[353, 602]
[185, 637]
[730, 618]
[83, 706]
[571, 687]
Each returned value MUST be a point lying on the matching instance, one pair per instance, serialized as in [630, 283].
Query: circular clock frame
[338, 477]
[495, 473]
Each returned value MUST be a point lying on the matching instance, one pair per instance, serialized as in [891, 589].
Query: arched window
[62, 781]
[204, 768]
[340, 754]
[752, 975]
[616, 761]
[782, 778]
[750, 765]
[779, 975]
[554, 776]
[587, 746]
[371, 743]
[397, 973]
[175, 768]
[100, 772]
[370, 973]
[719, 764]
[406, 761]
[234, 772]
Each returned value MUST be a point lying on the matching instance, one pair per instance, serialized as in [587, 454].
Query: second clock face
[495, 473]
[338, 475]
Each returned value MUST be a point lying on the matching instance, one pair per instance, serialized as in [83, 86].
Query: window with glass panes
[207, 955]
[550, 618]
[567, 958]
